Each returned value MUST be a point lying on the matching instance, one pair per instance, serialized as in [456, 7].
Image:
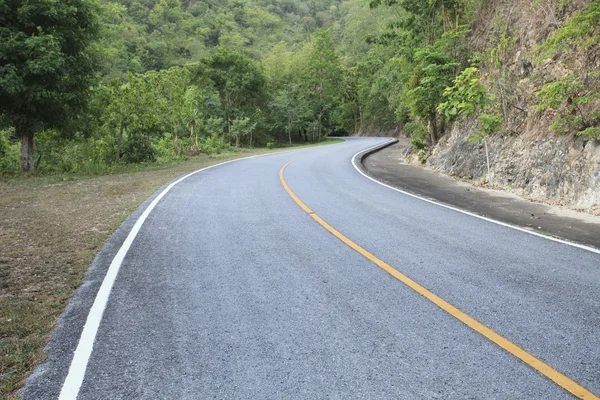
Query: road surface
[231, 290]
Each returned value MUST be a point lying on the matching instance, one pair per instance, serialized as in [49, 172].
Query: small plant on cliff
[574, 98]
[581, 30]
[469, 98]
[571, 98]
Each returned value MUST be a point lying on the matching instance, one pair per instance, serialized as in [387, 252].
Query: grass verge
[51, 227]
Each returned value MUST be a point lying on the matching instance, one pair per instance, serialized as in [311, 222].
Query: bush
[214, 144]
[9, 152]
[574, 103]
[138, 149]
[488, 124]
[418, 134]
[467, 97]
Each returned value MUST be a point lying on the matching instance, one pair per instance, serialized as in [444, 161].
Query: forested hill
[88, 84]
[158, 34]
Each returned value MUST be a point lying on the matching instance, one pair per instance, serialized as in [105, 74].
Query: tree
[146, 103]
[46, 65]
[322, 76]
[289, 108]
[193, 111]
[240, 82]
[434, 71]
[469, 98]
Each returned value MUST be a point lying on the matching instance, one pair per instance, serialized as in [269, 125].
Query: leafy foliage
[582, 30]
[468, 98]
[573, 101]
[175, 78]
[46, 66]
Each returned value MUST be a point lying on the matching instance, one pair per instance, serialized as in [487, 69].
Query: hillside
[546, 86]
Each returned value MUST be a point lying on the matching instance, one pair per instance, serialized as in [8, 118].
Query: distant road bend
[292, 275]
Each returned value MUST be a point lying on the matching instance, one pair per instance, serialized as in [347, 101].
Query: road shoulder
[387, 166]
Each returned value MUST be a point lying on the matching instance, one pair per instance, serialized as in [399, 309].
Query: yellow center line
[560, 379]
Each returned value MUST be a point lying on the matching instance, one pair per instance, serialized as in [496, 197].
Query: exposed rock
[527, 158]
[553, 168]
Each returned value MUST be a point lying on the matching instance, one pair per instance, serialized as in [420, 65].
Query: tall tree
[240, 82]
[46, 66]
[323, 76]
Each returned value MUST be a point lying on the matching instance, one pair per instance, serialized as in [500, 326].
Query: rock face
[553, 168]
[526, 158]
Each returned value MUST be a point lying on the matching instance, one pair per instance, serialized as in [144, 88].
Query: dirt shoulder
[389, 166]
[50, 230]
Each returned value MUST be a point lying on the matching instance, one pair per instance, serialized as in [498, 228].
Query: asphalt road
[231, 291]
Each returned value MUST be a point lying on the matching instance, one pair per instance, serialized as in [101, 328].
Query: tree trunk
[228, 112]
[290, 131]
[26, 135]
[229, 130]
[39, 160]
[319, 126]
[120, 140]
[433, 130]
[444, 16]
[193, 138]
[360, 117]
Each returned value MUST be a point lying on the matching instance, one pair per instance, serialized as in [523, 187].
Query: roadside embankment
[389, 166]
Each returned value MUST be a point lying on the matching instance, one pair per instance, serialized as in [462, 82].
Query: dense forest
[86, 84]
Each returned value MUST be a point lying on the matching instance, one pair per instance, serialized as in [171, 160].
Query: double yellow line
[560, 379]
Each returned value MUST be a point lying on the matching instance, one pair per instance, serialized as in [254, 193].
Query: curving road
[230, 290]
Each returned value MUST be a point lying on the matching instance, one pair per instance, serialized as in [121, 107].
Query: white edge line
[354, 163]
[74, 380]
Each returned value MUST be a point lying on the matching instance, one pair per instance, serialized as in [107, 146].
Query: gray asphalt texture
[231, 291]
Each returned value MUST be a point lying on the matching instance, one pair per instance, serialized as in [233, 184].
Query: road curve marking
[433, 201]
[560, 379]
[81, 356]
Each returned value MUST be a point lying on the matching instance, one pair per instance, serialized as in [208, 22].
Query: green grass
[45, 178]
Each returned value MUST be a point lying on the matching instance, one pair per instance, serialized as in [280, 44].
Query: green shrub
[573, 101]
[581, 30]
[214, 144]
[488, 124]
[467, 97]
[418, 134]
[138, 149]
[9, 152]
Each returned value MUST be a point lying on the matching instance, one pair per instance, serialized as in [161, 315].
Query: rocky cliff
[527, 156]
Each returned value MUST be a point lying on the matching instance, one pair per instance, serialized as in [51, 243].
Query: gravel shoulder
[388, 166]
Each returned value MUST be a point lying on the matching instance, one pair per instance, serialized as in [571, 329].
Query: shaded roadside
[388, 166]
